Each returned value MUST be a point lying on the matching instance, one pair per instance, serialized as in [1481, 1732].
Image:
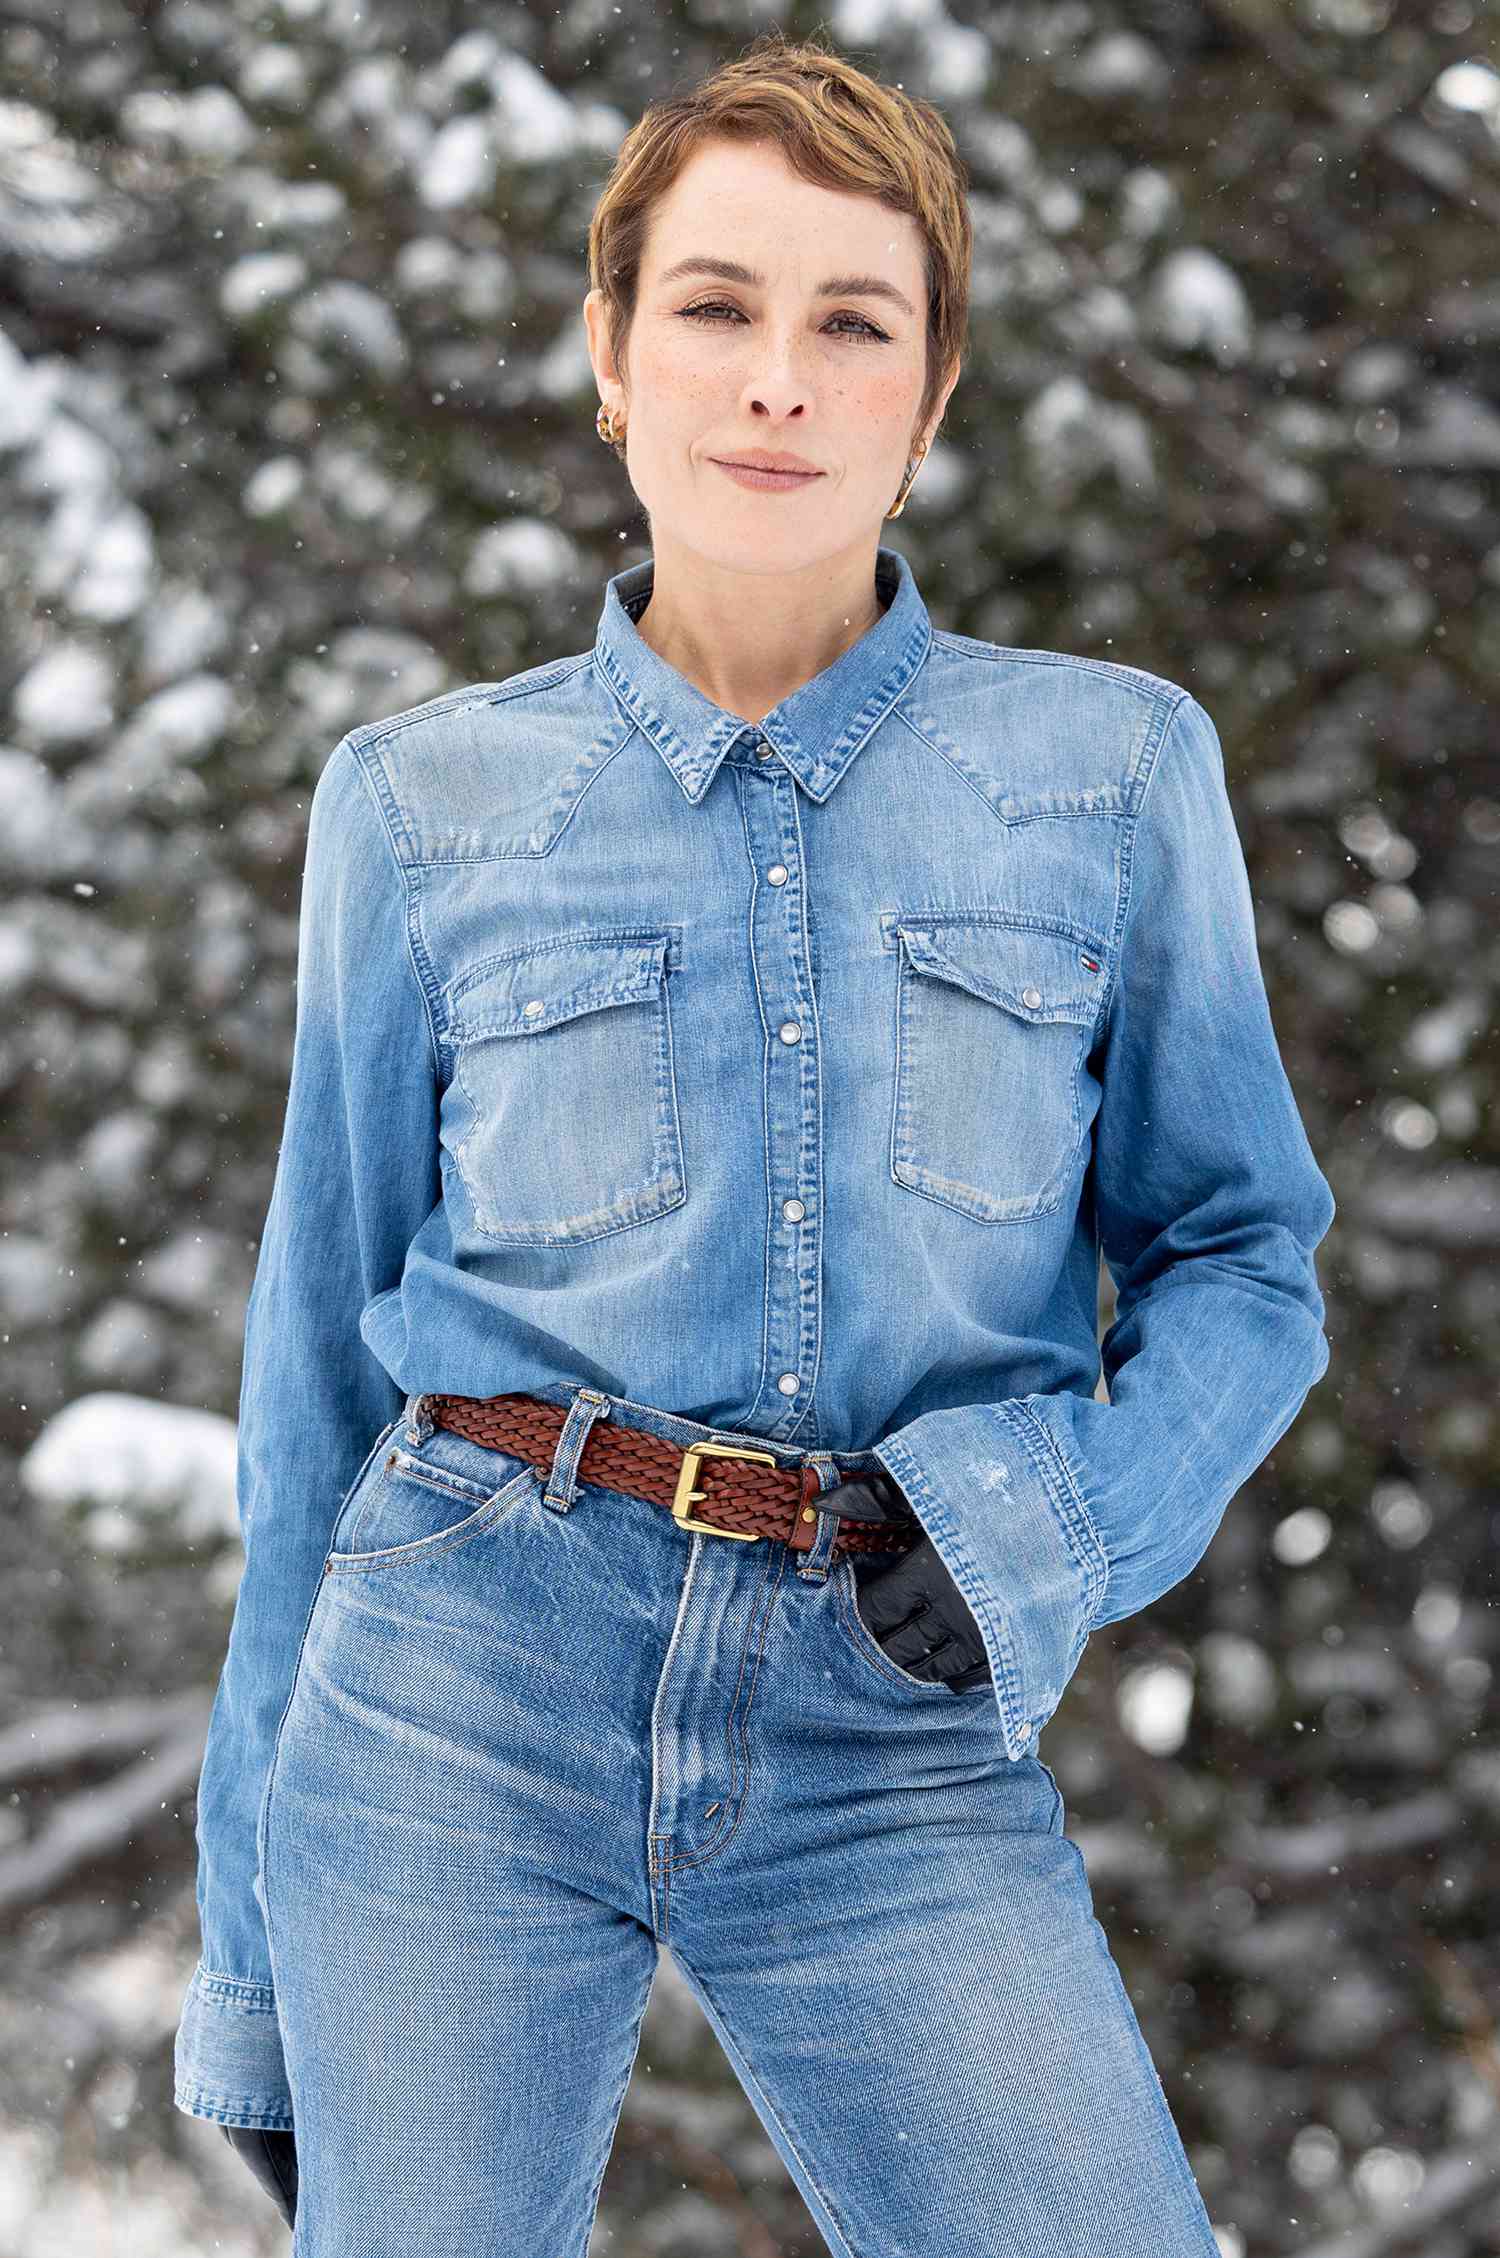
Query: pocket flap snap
[1036, 974]
[530, 989]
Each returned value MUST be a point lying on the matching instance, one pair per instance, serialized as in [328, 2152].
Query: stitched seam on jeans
[267, 1785]
[366, 1467]
[747, 2056]
[417, 1470]
[414, 1469]
[1171, 2132]
[474, 1525]
[741, 1796]
[613, 2118]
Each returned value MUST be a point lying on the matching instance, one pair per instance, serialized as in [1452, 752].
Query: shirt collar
[817, 730]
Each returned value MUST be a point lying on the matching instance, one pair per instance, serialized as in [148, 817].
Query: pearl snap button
[788, 1383]
[764, 750]
[1031, 997]
[777, 874]
[536, 1004]
[793, 1210]
[791, 1032]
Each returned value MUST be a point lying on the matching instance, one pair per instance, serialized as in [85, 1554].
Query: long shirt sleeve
[1057, 1513]
[356, 1177]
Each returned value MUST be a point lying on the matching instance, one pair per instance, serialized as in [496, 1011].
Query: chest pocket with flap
[561, 1116]
[993, 1024]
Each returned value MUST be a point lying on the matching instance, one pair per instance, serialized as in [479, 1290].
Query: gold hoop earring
[911, 472]
[604, 424]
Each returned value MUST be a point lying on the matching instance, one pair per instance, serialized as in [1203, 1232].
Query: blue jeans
[537, 1731]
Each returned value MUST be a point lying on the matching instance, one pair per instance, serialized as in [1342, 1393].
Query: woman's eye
[713, 308]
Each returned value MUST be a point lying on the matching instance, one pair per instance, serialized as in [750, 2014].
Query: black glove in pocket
[912, 1608]
[272, 2157]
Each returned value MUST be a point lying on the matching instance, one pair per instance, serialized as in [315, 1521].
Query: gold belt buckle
[687, 1496]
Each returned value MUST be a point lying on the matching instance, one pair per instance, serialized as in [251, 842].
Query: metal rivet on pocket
[390, 1458]
[1031, 997]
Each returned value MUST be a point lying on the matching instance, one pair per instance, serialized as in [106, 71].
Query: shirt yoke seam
[1140, 679]
[373, 734]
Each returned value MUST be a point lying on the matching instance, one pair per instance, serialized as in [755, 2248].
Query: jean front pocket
[858, 1634]
[993, 1024]
[561, 1115]
[413, 1505]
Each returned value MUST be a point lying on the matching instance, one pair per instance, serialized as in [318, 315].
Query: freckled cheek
[890, 399]
[683, 403]
[880, 410]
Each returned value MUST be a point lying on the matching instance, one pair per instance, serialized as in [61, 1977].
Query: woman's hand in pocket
[913, 1609]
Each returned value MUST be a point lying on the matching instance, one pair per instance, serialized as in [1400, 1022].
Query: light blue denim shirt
[792, 1078]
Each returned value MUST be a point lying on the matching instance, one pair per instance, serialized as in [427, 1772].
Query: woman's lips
[769, 481]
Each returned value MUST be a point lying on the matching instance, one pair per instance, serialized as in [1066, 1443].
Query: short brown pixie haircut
[836, 127]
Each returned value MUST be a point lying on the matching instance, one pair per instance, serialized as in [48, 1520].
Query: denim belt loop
[815, 1563]
[562, 1478]
[418, 1425]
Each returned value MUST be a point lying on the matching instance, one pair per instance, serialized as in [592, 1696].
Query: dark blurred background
[297, 430]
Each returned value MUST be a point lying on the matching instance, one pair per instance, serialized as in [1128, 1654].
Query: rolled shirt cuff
[988, 1486]
[228, 2063]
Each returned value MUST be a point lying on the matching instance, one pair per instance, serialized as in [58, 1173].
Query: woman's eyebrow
[837, 285]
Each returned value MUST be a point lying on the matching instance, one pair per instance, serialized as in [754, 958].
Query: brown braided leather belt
[724, 1491]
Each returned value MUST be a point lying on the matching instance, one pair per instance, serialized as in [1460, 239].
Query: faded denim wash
[786, 1080]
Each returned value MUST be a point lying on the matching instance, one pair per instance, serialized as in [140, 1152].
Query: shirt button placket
[782, 971]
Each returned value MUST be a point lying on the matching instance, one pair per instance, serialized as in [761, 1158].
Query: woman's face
[718, 366]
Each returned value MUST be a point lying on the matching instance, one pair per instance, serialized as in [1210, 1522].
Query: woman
[674, 1486]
